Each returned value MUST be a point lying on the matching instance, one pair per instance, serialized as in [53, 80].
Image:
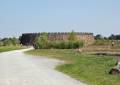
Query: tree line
[9, 41]
[111, 37]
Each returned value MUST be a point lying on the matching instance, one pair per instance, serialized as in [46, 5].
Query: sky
[26, 16]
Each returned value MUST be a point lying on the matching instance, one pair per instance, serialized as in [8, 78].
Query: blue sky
[24, 16]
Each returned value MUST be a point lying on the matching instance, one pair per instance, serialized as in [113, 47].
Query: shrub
[62, 45]
[59, 45]
[75, 44]
[78, 44]
[43, 43]
[9, 41]
[72, 36]
[1, 43]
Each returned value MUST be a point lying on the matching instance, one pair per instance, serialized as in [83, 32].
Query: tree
[6, 41]
[114, 37]
[98, 36]
[44, 37]
[14, 41]
[41, 41]
[72, 36]
[9, 41]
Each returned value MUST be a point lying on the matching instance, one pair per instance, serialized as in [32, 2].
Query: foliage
[111, 37]
[114, 37]
[98, 37]
[9, 41]
[72, 36]
[14, 41]
[44, 43]
[1, 43]
[59, 45]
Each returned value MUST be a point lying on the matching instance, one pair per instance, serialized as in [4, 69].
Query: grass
[9, 48]
[91, 69]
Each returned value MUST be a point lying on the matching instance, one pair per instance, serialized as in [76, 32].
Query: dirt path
[16, 68]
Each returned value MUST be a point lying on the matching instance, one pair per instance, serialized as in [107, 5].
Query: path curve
[16, 68]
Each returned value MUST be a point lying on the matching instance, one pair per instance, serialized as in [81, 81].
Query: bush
[59, 45]
[9, 41]
[78, 44]
[40, 45]
[1, 43]
[75, 44]
[42, 42]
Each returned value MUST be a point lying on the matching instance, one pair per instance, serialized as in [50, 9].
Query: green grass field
[91, 69]
[9, 48]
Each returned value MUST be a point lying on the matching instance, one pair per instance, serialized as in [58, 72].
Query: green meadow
[91, 69]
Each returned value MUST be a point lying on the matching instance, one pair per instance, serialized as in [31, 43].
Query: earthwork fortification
[29, 38]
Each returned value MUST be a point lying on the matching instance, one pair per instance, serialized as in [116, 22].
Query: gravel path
[16, 68]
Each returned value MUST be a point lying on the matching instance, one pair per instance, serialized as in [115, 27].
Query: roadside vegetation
[42, 42]
[8, 44]
[9, 48]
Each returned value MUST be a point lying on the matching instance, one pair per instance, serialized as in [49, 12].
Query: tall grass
[59, 45]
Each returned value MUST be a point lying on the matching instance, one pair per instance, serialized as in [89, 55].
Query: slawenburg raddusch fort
[29, 38]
